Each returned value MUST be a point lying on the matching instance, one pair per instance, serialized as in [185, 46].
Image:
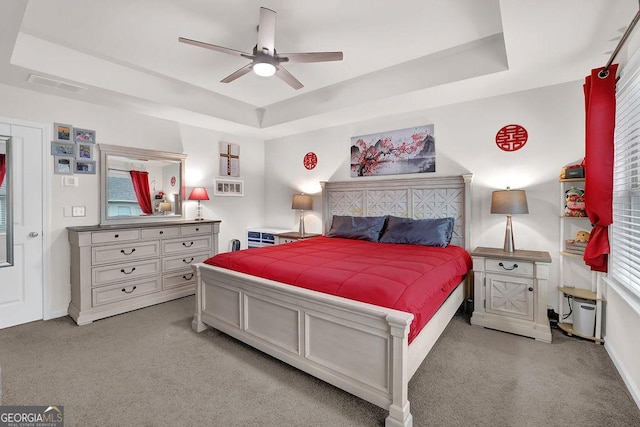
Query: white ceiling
[398, 56]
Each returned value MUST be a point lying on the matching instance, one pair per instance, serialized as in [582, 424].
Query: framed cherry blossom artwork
[396, 152]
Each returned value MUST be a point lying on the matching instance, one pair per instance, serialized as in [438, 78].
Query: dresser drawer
[126, 271]
[189, 230]
[137, 288]
[521, 268]
[183, 245]
[176, 280]
[119, 253]
[115, 236]
[160, 233]
[183, 261]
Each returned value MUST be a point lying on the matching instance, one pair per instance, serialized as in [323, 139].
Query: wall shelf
[571, 263]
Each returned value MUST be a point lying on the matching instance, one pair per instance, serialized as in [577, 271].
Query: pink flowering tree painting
[395, 152]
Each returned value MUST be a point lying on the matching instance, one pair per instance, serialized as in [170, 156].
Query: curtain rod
[123, 170]
[605, 70]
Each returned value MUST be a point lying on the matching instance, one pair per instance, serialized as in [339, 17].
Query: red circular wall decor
[310, 160]
[511, 137]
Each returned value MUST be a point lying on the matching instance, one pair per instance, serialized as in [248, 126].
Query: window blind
[624, 262]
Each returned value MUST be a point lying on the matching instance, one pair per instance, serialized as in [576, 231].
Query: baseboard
[54, 314]
[631, 386]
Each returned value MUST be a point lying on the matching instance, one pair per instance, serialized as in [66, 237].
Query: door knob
[33, 234]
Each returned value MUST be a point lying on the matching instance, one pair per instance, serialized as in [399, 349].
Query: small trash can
[584, 316]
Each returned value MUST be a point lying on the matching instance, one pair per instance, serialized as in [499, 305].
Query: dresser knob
[132, 270]
[187, 262]
[187, 246]
[530, 289]
[129, 253]
[161, 232]
[188, 278]
[128, 292]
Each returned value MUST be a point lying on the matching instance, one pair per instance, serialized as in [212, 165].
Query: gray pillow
[426, 232]
[357, 227]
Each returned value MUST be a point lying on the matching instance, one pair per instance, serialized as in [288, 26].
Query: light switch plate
[77, 211]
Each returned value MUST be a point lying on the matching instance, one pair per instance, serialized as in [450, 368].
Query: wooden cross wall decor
[229, 159]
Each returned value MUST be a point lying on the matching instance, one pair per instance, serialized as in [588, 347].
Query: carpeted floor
[148, 368]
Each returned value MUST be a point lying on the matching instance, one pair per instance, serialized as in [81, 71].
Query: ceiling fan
[265, 61]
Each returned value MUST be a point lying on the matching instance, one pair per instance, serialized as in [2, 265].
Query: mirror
[6, 222]
[140, 185]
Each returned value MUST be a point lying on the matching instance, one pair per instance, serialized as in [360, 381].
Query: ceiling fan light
[264, 69]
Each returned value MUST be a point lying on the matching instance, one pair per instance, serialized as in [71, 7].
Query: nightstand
[293, 236]
[510, 292]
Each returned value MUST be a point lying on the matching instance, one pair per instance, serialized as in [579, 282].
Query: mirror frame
[8, 262]
[114, 150]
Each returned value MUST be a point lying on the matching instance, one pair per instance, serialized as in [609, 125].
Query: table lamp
[303, 202]
[199, 193]
[509, 202]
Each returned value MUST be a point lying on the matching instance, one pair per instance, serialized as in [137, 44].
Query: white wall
[123, 128]
[465, 142]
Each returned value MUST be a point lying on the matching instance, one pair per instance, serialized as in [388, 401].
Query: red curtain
[600, 108]
[141, 187]
[3, 168]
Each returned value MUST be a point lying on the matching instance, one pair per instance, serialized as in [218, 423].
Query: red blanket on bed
[409, 278]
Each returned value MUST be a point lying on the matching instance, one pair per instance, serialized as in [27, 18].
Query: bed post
[325, 208]
[468, 179]
[196, 323]
[399, 410]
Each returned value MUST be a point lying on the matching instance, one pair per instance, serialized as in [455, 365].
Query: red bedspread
[409, 278]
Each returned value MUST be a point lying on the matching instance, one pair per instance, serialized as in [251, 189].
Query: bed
[362, 348]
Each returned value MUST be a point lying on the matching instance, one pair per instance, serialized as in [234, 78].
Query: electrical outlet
[77, 211]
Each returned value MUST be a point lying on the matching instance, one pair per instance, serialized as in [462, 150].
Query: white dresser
[119, 268]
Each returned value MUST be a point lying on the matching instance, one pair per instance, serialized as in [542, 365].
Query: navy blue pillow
[357, 227]
[426, 232]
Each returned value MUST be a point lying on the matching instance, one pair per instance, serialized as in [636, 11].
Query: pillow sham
[357, 227]
[426, 232]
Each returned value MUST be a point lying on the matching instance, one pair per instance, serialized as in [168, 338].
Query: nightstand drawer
[522, 268]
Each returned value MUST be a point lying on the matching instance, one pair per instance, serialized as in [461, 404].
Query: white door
[21, 285]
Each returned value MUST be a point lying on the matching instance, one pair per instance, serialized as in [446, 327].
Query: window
[121, 199]
[625, 232]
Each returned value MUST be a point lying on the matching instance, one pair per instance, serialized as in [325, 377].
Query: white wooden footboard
[358, 347]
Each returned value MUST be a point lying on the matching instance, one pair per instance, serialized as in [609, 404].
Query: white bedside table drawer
[508, 266]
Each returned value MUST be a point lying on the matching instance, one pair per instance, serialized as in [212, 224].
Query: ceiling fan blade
[288, 78]
[267, 31]
[214, 47]
[311, 56]
[239, 73]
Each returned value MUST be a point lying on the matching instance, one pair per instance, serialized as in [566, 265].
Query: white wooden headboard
[417, 198]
